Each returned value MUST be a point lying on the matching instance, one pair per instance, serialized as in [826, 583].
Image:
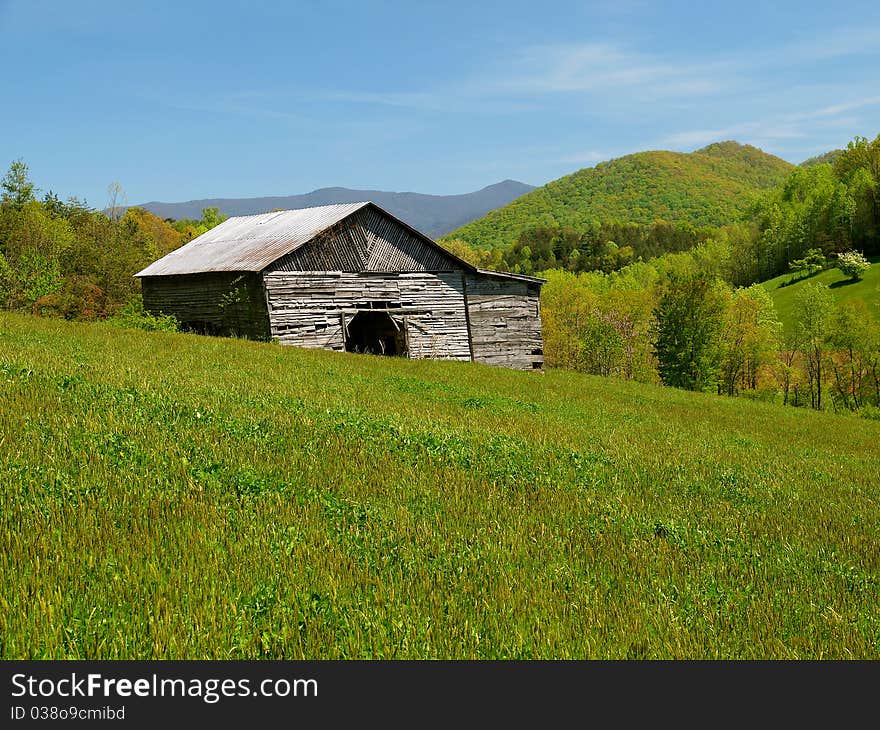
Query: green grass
[867, 289]
[175, 496]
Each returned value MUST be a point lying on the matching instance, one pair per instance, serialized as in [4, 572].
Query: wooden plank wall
[367, 241]
[306, 308]
[229, 303]
[505, 322]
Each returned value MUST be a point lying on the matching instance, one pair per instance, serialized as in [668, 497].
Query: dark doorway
[202, 328]
[376, 333]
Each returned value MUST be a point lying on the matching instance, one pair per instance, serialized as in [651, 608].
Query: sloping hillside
[867, 290]
[826, 158]
[432, 214]
[708, 187]
[177, 496]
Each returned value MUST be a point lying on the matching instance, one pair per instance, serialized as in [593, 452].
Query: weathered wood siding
[309, 309]
[366, 241]
[505, 322]
[226, 303]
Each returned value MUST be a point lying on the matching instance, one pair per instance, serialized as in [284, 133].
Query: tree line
[66, 259]
[673, 322]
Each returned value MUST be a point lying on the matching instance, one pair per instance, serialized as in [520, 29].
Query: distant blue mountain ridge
[434, 215]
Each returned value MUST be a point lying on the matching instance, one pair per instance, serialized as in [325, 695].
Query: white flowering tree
[852, 264]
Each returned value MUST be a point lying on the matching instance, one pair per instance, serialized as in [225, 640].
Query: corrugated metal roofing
[508, 275]
[251, 242]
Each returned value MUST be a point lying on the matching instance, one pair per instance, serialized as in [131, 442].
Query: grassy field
[868, 290]
[185, 497]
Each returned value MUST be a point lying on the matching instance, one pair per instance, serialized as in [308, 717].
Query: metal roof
[508, 275]
[250, 242]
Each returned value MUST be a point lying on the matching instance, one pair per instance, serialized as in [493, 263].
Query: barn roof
[252, 242]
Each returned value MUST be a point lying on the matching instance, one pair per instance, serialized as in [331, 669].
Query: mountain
[711, 186]
[827, 158]
[431, 214]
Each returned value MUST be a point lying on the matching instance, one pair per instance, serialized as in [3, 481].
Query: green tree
[17, 186]
[812, 263]
[566, 309]
[690, 317]
[812, 328]
[854, 335]
[477, 257]
[749, 339]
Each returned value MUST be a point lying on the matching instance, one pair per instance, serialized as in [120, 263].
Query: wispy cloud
[583, 69]
[834, 110]
[584, 158]
[746, 131]
[541, 76]
[836, 43]
[781, 127]
[590, 67]
[526, 80]
[439, 100]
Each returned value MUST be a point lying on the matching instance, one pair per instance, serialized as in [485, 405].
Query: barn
[348, 277]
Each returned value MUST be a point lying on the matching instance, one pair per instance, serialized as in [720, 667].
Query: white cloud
[834, 110]
[780, 127]
[584, 158]
[592, 66]
[523, 80]
[836, 43]
[701, 137]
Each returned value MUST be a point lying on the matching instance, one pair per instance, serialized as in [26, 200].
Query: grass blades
[176, 496]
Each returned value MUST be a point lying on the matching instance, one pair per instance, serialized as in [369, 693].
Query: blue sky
[180, 100]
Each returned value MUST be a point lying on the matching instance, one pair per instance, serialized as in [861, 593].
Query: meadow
[784, 290]
[176, 496]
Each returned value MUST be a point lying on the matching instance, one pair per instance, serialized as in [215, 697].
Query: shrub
[133, 316]
[79, 298]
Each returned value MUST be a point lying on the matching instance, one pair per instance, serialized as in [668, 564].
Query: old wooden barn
[346, 277]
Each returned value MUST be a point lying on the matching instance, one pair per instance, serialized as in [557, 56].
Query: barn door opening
[376, 333]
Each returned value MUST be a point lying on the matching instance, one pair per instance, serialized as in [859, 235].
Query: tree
[852, 264]
[477, 257]
[690, 317]
[812, 329]
[788, 374]
[854, 336]
[211, 217]
[566, 307]
[749, 338]
[16, 184]
[812, 263]
[32, 243]
[116, 200]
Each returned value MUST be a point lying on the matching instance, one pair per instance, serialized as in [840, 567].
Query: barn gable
[369, 240]
[343, 237]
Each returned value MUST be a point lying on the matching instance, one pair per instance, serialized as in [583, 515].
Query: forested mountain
[711, 186]
[823, 159]
[435, 215]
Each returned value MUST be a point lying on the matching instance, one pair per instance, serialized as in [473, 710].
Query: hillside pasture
[784, 290]
[186, 497]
